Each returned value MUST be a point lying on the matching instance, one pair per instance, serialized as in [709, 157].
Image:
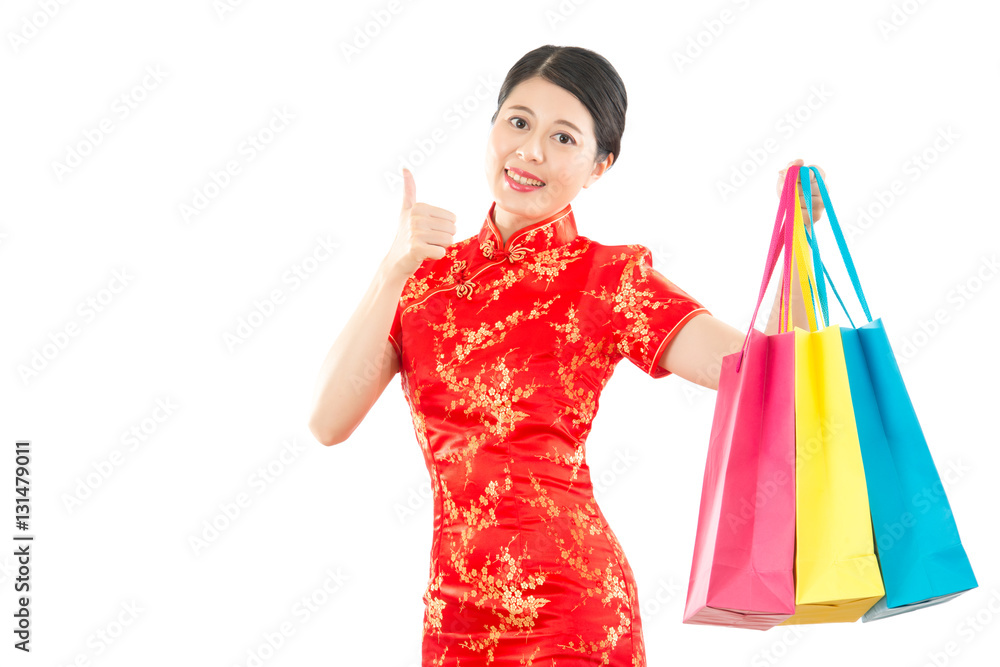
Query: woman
[504, 341]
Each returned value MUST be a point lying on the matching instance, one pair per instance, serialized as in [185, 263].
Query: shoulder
[618, 259]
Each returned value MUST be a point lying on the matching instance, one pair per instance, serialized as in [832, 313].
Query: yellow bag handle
[807, 280]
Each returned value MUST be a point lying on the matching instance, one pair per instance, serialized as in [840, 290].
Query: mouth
[519, 182]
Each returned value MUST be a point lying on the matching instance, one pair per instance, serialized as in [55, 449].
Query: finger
[435, 212]
[440, 224]
[409, 190]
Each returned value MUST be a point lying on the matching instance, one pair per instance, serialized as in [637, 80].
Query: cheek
[566, 175]
[494, 154]
[502, 143]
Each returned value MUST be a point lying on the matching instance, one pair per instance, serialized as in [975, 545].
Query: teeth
[523, 181]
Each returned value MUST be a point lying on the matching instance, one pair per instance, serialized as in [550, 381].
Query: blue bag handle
[818, 262]
[841, 243]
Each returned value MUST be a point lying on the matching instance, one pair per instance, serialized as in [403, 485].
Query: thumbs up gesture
[424, 232]
[817, 199]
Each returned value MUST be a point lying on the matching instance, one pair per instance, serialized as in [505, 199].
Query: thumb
[409, 190]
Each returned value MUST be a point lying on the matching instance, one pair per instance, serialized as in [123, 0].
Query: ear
[599, 170]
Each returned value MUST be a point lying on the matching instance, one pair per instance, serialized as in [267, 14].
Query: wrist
[389, 273]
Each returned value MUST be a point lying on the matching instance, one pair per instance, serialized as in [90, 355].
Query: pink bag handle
[780, 228]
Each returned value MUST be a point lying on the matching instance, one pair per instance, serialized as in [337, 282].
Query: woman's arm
[362, 360]
[360, 363]
[696, 351]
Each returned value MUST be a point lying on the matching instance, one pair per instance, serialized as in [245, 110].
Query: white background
[895, 75]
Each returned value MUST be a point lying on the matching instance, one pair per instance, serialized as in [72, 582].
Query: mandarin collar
[552, 232]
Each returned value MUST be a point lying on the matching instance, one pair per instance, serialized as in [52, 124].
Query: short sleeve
[396, 332]
[647, 311]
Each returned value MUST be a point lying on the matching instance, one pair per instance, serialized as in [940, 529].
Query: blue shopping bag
[919, 551]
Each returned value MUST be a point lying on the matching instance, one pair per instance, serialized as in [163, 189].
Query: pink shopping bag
[741, 573]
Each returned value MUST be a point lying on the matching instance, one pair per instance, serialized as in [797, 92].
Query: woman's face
[544, 130]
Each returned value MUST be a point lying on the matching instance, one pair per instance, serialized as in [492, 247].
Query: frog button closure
[514, 254]
[550, 233]
[465, 287]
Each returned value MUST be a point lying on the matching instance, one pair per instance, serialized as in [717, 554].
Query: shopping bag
[837, 576]
[741, 573]
[920, 554]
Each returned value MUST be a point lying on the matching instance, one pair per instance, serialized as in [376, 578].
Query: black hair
[587, 75]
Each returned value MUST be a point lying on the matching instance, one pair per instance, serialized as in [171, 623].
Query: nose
[531, 148]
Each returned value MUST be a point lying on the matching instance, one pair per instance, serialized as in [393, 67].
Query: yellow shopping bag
[837, 576]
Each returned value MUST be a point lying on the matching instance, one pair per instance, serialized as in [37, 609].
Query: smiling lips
[522, 181]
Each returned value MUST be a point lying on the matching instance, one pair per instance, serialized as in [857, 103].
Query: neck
[508, 223]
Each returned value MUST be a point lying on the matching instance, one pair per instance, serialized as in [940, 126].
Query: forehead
[550, 103]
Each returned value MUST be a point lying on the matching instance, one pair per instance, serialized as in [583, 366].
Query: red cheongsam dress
[504, 349]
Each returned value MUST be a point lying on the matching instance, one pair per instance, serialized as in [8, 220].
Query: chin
[520, 203]
[510, 202]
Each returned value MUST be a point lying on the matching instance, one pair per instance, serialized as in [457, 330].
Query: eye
[516, 119]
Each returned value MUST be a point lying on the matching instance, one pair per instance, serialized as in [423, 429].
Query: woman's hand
[424, 232]
[817, 200]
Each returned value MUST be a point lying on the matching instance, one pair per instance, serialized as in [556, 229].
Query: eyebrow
[532, 114]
